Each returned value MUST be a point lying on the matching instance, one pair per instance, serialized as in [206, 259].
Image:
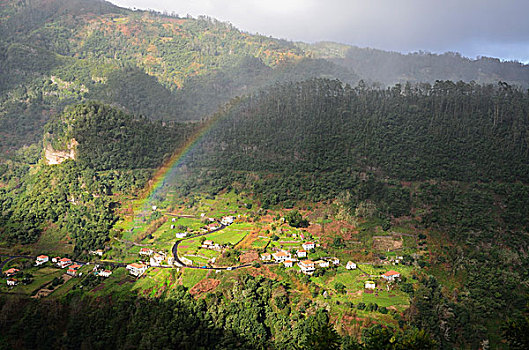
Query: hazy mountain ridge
[390, 68]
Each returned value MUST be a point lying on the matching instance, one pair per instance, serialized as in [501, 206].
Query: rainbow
[168, 169]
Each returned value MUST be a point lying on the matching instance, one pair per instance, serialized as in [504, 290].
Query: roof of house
[145, 250]
[65, 259]
[307, 262]
[106, 271]
[75, 266]
[137, 265]
[280, 254]
[308, 243]
[391, 273]
[12, 270]
[288, 261]
[370, 282]
[302, 251]
[350, 262]
[42, 257]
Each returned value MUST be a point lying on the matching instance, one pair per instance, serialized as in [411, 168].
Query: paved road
[11, 257]
[175, 254]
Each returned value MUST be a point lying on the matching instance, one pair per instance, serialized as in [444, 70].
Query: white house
[302, 253]
[390, 276]
[369, 285]
[266, 256]
[12, 282]
[156, 259]
[181, 234]
[308, 245]
[42, 259]
[56, 259]
[137, 269]
[72, 270]
[350, 265]
[146, 251]
[227, 220]
[105, 273]
[288, 263]
[335, 260]
[281, 256]
[64, 262]
[306, 266]
[173, 220]
[322, 263]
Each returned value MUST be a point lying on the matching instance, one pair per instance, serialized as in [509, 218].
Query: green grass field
[190, 277]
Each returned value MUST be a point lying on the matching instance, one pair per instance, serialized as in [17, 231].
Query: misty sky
[497, 28]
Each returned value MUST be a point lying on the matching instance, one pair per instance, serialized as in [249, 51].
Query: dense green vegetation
[76, 197]
[245, 316]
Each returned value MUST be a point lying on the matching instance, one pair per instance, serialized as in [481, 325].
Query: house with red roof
[105, 273]
[390, 276]
[64, 262]
[288, 263]
[302, 253]
[308, 245]
[281, 256]
[73, 270]
[137, 269]
[146, 251]
[42, 259]
[306, 266]
[11, 272]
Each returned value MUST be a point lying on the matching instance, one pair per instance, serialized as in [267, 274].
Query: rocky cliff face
[57, 157]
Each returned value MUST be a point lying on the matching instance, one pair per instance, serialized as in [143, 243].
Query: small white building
[281, 256]
[308, 245]
[105, 273]
[12, 282]
[137, 269]
[322, 263]
[227, 220]
[350, 265]
[156, 259]
[390, 276]
[301, 253]
[173, 220]
[335, 260]
[64, 262]
[306, 266]
[170, 260]
[370, 285]
[42, 259]
[288, 263]
[181, 234]
[266, 256]
[146, 251]
[72, 270]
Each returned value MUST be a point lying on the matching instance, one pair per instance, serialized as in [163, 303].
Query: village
[197, 246]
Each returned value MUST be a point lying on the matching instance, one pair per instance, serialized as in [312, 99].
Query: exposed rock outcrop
[57, 157]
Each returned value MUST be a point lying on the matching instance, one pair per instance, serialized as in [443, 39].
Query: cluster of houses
[306, 266]
[9, 274]
[208, 244]
[389, 276]
[155, 258]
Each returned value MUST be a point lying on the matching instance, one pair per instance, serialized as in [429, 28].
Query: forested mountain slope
[446, 131]
[55, 53]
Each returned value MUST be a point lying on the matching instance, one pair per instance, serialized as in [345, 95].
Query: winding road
[180, 262]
